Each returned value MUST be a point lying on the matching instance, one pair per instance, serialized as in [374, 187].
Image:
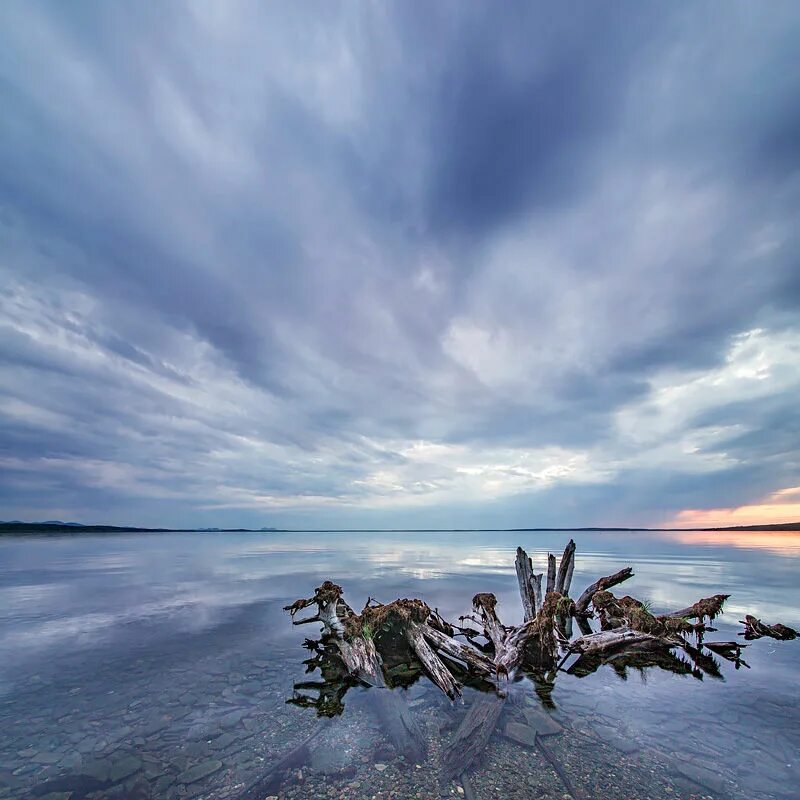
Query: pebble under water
[159, 666]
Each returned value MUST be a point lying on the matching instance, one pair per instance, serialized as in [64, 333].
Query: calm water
[159, 665]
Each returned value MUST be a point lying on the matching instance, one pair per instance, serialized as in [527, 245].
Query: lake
[159, 665]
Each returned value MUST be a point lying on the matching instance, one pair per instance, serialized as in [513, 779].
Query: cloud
[519, 269]
[780, 506]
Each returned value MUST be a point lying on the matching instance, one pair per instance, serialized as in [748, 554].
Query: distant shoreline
[74, 529]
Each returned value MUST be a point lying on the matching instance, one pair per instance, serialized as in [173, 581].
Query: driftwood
[608, 641]
[400, 725]
[530, 585]
[582, 603]
[471, 737]
[350, 637]
[554, 763]
[551, 573]
[755, 629]
[272, 776]
[565, 569]
[707, 607]
[394, 644]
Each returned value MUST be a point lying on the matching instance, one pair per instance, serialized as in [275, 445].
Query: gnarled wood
[568, 578]
[537, 589]
[351, 636]
[527, 592]
[394, 643]
[565, 568]
[551, 573]
[471, 737]
[433, 665]
[484, 605]
[707, 607]
[476, 661]
[535, 639]
[755, 629]
[582, 603]
[606, 641]
[399, 724]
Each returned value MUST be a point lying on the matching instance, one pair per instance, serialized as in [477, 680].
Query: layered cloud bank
[368, 266]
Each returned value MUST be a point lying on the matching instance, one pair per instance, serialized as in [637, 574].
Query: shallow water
[159, 665]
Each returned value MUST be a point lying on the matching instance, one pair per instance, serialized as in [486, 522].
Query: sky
[400, 264]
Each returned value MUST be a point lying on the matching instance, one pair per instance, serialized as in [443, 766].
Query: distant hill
[776, 526]
[56, 527]
[74, 528]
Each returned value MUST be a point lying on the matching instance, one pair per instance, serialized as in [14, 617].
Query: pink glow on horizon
[780, 506]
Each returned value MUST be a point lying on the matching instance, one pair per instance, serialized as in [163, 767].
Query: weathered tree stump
[394, 644]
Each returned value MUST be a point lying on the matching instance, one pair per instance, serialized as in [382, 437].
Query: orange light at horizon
[778, 507]
[782, 543]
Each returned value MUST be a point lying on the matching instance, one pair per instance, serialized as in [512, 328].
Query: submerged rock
[757, 782]
[77, 785]
[232, 719]
[204, 731]
[124, 768]
[612, 736]
[153, 726]
[226, 740]
[47, 757]
[522, 734]
[99, 769]
[162, 784]
[702, 776]
[200, 771]
[542, 722]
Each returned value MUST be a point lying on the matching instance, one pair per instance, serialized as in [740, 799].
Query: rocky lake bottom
[102, 701]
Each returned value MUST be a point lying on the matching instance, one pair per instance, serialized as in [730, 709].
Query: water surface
[159, 665]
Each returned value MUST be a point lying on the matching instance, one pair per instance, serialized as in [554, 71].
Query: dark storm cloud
[396, 263]
[522, 125]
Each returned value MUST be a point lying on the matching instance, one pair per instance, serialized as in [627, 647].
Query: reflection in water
[782, 543]
[160, 666]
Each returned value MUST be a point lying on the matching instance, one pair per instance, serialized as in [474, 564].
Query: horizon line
[213, 529]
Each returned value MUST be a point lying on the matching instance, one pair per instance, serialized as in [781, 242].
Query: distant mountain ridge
[53, 527]
[57, 523]
[46, 522]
